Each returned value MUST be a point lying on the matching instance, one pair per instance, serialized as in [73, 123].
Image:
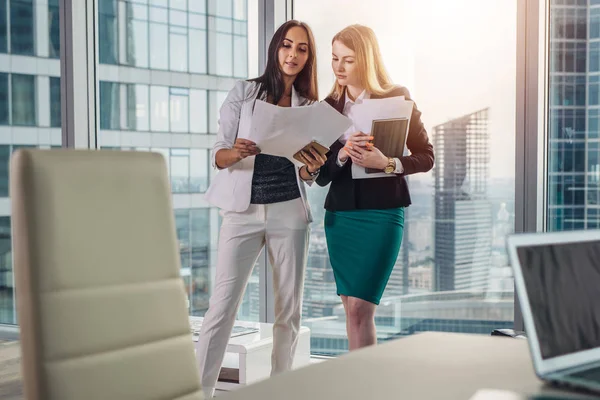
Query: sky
[455, 57]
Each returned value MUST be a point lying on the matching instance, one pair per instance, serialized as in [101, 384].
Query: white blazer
[231, 188]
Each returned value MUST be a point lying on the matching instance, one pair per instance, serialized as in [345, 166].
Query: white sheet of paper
[373, 109]
[283, 131]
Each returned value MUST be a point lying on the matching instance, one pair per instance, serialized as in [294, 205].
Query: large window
[30, 106]
[573, 131]
[158, 93]
[457, 58]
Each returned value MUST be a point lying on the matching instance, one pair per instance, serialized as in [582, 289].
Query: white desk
[250, 354]
[425, 366]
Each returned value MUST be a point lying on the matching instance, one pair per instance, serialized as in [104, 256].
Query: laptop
[557, 279]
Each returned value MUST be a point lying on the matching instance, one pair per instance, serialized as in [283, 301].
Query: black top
[274, 180]
[346, 193]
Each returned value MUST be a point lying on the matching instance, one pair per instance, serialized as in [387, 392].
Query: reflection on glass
[199, 281]
[21, 21]
[3, 26]
[108, 45]
[216, 101]
[159, 96]
[55, 105]
[180, 170]
[6, 273]
[240, 9]
[23, 100]
[178, 49]
[179, 110]
[198, 170]
[110, 101]
[198, 6]
[197, 51]
[53, 28]
[139, 107]
[137, 35]
[4, 165]
[159, 49]
[198, 111]
[240, 50]
[4, 99]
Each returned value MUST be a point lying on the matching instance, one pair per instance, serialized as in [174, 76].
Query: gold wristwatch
[391, 166]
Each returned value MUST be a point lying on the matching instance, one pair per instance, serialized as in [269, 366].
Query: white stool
[248, 355]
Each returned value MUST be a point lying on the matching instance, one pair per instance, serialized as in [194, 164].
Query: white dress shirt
[348, 105]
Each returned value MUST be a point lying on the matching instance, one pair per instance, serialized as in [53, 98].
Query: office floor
[10, 372]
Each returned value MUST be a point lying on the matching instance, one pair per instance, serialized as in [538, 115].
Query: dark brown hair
[271, 81]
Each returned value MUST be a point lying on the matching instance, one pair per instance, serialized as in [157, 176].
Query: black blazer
[346, 193]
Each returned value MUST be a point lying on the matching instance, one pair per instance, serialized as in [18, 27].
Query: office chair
[101, 305]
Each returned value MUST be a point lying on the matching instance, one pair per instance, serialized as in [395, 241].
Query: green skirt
[363, 247]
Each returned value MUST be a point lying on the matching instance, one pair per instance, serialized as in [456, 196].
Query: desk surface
[424, 366]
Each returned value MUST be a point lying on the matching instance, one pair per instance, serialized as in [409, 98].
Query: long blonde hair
[371, 71]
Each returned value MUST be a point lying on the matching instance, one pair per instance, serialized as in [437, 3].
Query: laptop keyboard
[588, 375]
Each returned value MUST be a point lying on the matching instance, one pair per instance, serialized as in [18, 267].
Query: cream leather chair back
[101, 305]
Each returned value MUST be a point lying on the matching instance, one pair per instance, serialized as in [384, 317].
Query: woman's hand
[244, 148]
[357, 139]
[370, 157]
[313, 160]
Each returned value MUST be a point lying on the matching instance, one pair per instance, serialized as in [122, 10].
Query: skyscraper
[463, 214]
[574, 112]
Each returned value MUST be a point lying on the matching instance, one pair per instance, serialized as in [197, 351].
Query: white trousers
[284, 229]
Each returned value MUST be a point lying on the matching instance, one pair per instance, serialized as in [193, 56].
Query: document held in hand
[283, 131]
[387, 120]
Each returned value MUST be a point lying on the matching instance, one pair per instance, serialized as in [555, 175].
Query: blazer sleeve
[331, 170]
[421, 156]
[229, 119]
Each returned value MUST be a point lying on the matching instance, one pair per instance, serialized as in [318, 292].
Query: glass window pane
[138, 107]
[159, 37]
[220, 54]
[198, 6]
[178, 51]
[240, 11]
[108, 42]
[240, 48]
[4, 99]
[198, 111]
[110, 105]
[159, 95]
[53, 29]
[157, 110]
[3, 26]
[198, 170]
[4, 169]
[179, 110]
[180, 171]
[216, 101]
[221, 8]
[137, 40]
[178, 18]
[452, 271]
[180, 4]
[23, 100]
[21, 21]
[197, 51]
[55, 106]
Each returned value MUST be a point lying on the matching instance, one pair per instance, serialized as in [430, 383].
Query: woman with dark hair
[263, 202]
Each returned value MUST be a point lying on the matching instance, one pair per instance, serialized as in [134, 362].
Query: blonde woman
[364, 221]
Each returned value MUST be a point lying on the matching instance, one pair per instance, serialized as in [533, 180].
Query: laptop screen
[563, 286]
